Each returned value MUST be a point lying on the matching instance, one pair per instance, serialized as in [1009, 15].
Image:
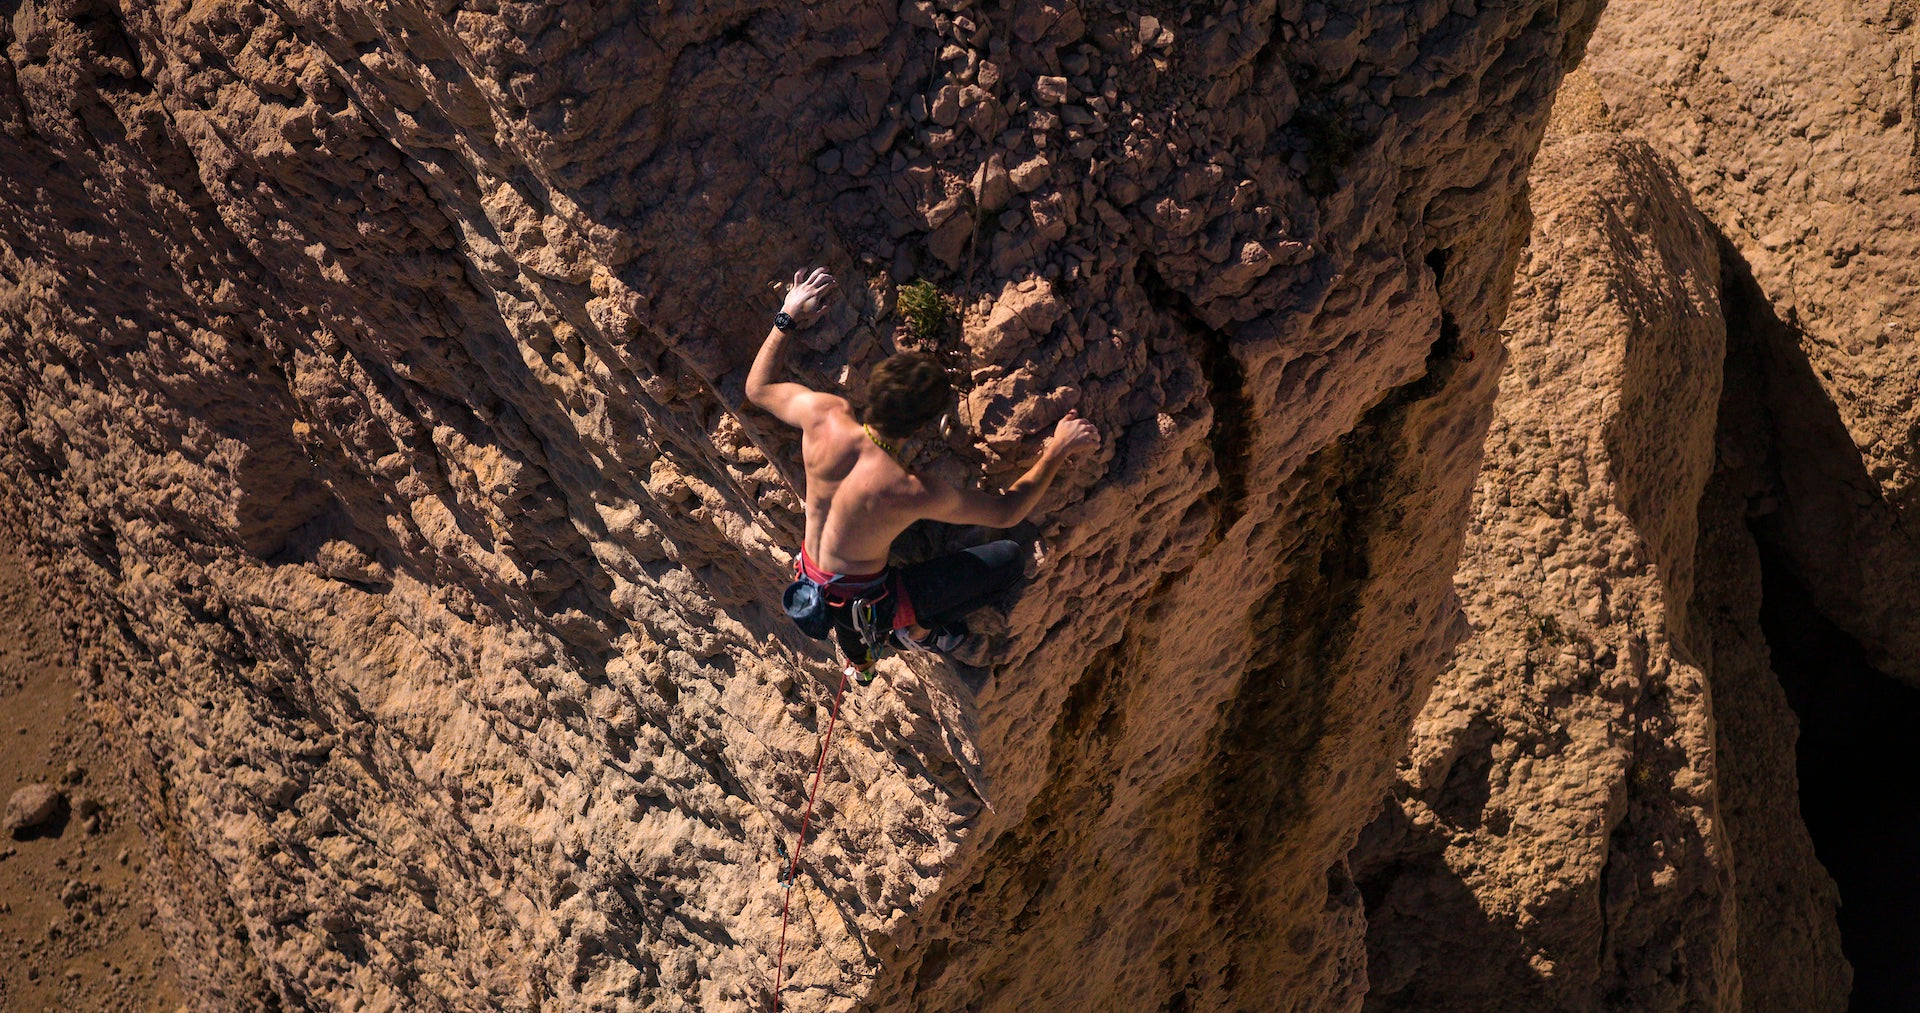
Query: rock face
[1603, 789]
[373, 379]
[1796, 136]
[1554, 836]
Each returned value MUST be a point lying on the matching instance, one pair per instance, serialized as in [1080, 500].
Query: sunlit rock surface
[372, 377]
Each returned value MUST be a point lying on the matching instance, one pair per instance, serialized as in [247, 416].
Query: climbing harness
[814, 593]
[809, 601]
[793, 863]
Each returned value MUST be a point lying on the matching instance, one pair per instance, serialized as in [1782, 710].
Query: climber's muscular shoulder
[828, 432]
[801, 407]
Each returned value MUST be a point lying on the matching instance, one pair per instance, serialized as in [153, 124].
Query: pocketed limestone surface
[1553, 841]
[372, 385]
[1796, 135]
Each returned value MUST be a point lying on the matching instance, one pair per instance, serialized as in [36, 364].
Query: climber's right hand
[1073, 435]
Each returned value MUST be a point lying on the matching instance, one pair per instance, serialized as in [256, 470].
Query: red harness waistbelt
[841, 588]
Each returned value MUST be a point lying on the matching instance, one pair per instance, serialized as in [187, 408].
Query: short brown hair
[905, 391]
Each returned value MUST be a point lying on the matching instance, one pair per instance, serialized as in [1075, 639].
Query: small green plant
[924, 309]
[1546, 629]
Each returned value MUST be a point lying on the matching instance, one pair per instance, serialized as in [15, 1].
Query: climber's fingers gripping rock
[809, 293]
[1075, 434]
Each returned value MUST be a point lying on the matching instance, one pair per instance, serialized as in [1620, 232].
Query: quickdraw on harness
[815, 593]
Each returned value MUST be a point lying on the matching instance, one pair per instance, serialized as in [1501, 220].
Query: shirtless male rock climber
[860, 495]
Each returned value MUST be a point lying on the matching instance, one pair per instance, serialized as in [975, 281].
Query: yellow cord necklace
[878, 442]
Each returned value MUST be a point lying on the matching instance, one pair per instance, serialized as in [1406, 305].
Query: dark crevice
[1304, 628]
[1859, 782]
[1325, 129]
[107, 27]
[1232, 434]
[1913, 119]
[1858, 774]
[1448, 347]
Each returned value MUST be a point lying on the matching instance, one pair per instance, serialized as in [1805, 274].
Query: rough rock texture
[1799, 137]
[372, 377]
[1554, 840]
[1796, 134]
[1793, 137]
[31, 806]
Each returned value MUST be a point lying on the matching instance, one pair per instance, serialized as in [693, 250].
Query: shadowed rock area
[372, 393]
[1856, 773]
[1664, 848]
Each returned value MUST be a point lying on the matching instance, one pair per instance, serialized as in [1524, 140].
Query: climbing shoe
[940, 640]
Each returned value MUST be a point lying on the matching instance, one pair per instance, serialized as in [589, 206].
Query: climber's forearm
[766, 365]
[1025, 492]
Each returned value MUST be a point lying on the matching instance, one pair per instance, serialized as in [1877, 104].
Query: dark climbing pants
[942, 589]
[947, 587]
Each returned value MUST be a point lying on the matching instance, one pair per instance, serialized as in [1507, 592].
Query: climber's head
[905, 391]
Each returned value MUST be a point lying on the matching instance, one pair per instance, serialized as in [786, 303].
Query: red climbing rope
[793, 866]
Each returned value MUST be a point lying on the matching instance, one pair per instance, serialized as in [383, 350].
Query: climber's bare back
[858, 497]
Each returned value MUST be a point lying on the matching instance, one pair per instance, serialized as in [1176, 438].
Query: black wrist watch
[783, 321]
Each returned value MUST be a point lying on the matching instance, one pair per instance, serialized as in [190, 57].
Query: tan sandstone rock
[373, 382]
[31, 806]
[1553, 842]
[1601, 807]
[1793, 128]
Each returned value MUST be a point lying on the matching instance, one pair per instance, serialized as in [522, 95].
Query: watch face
[783, 320]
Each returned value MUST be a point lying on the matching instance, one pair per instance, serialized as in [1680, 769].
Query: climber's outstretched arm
[792, 403]
[1005, 509]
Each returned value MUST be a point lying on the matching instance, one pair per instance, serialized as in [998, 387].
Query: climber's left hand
[809, 294]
